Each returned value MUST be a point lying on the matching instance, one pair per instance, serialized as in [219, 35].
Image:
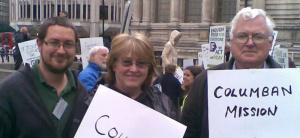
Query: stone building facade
[157, 18]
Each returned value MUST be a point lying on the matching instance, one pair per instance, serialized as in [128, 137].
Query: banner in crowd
[281, 56]
[86, 44]
[217, 45]
[275, 33]
[179, 74]
[205, 55]
[29, 52]
[114, 115]
[261, 103]
[200, 59]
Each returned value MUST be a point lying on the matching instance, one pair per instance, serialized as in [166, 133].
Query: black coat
[171, 87]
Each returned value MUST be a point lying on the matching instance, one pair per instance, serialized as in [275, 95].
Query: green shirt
[50, 98]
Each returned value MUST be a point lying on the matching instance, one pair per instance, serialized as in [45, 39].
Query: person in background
[189, 74]
[169, 54]
[63, 14]
[20, 36]
[291, 63]
[97, 64]
[250, 41]
[170, 84]
[46, 100]
[130, 69]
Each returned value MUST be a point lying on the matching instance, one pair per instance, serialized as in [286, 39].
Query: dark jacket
[19, 38]
[171, 87]
[195, 110]
[23, 114]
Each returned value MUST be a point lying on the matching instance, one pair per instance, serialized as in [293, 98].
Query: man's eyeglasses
[256, 38]
[56, 44]
[129, 63]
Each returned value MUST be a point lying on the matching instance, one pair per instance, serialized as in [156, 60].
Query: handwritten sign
[280, 55]
[29, 52]
[205, 55]
[217, 45]
[275, 33]
[179, 74]
[86, 44]
[261, 103]
[200, 59]
[113, 115]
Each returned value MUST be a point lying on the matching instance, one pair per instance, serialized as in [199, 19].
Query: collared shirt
[266, 66]
[50, 98]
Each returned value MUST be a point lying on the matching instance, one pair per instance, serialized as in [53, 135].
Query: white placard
[200, 59]
[86, 44]
[29, 52]
[188, 62]
[217, 45]
[280, 55]
[271, 108]
[205, 55]
[111, 113]
[275, 33]
[179, 74]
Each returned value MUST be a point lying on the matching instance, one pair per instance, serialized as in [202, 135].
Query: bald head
[24, 30]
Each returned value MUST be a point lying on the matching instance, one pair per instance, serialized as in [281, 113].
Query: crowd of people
[30, 97]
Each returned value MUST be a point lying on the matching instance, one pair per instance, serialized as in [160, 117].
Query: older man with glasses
[46, 100]
[251, 40]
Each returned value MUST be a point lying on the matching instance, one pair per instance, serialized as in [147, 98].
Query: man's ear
[39, 44]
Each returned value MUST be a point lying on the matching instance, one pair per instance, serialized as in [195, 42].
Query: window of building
[163, 11]
[193, 11]
[226, 9]
[105, 12]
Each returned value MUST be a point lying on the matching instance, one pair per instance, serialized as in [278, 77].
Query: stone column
[146, 11]
[174, 14]
[137, 11]
[94, 27]
[207, 11]
[259, 4]
[182, 11]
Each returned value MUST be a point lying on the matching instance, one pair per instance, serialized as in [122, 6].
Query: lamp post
[103, 14]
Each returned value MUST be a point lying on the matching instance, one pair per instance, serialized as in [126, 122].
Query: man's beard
[103, 66]
[55, 70]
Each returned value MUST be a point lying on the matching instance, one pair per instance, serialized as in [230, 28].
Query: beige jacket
[169, 54]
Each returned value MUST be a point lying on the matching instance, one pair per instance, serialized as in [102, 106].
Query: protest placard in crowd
[261, 103]
[275, 33]
[205, 55]
[281, 56]
[29, 52]
[86, 44]
[112, 114]
[217, 45]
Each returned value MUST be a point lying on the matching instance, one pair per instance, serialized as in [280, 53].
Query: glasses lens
[141, 64]
[258, 38]
[241, 38]
[126, 63]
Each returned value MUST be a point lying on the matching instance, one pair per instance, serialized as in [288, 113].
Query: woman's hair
[195, 70]
[134, 45]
